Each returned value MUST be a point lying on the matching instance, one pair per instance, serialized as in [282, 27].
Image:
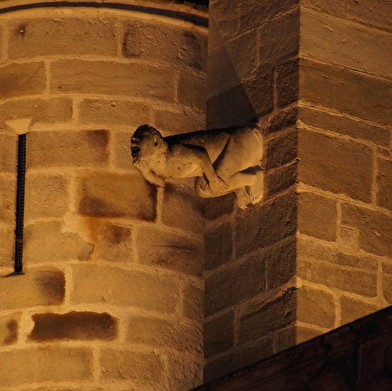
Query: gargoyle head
[146, 142]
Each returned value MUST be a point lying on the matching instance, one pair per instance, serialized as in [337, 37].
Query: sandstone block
[74, 326]
[353, 309]
[9, 329]
[375, 229]
[345, 126]
[377, 13]
[68, 36]
[218, 207]
[192, 91]
[84, 148]
[164, 333]
[334, 87]
[163, 43]
[114, 243]
[186, 373]
[41, 111]
[287, 83]
[316, 307]
[57, 364]
[384, 183]
[282, 119]
[218, 246]
[121, 150]
[317, 216]
[158, 248]
[265, 224]
[225, 22]
[243, 355]
[101, 77]
[326, 163]
[8, 152]
[145, 367]
[193, 302]
[122, 287]
[182, 208]
[59, 245]
[22, 79]
[7, 199]
[117, 195]
[306, 333]
[387, 287]
[7, 243]
[270, 317]
[105, 112]
[335, 40]
[281, 179]
[279, 38]
[219, 334]
[310, 249]
[354, 281]
[48, 195]
[37, 288]
[333, 7]
[282, 149]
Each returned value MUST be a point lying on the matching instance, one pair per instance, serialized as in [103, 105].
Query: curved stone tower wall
[111, 295]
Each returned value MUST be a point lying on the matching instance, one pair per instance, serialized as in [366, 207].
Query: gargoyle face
[145, 142]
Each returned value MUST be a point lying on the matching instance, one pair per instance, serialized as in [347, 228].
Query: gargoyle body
[223, 160]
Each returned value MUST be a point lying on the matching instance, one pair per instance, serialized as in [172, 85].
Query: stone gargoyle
[223, 160]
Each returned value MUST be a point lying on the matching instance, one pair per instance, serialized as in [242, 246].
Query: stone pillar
[316, 253]
[111, 295]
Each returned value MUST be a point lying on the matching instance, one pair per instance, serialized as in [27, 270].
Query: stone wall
[111, 298]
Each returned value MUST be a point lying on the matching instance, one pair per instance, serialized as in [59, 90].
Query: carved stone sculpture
[223, 160]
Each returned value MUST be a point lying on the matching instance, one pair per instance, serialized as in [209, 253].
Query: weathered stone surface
[282, 119]
[38, 288]
[265, 224]
[7, 198]
[9, 329]
[281, 179]
[183, 208]
[144, 367]
[22, 79]
[114, 112]
[306, 333]
[287, 83]
[192, 91]
[84, 148]
[193, 302]
[279, 38]
[316, 307]
[317, 216]
[164, 333]
[29, 37]
[48, 195]
[334, 87]
[376, 12]
[163, 43]
[8, 152]
[49, 242]
[218, 246]
[271, 316]
[352, 309]
[327, 162]
[45, 364]
[187, 373]
[7, 243]
[242, 356]
[345, 126]
[101, 77]
[218, 334]
[387, 282]
[41, 111]
[354, 281]
[310, 249]
[158, 248]
[117, 195]
[122, 287]
[384, 183]
[338, 41]
[74, 326]
[220, 206]
[333, 7]
[282, 149]
[171, 121]
[114, 243]
[375, 228]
